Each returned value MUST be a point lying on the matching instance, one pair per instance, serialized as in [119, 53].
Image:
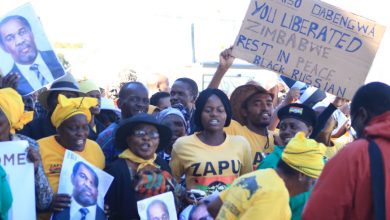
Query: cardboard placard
[310, 41]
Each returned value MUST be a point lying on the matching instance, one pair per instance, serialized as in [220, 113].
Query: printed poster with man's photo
[158, 207]
[26, 51]
[86, 184]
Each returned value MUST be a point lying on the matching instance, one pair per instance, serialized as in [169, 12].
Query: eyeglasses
[142, 133]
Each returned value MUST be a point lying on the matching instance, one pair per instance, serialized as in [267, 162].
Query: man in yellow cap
[71, 118]
[265, 193]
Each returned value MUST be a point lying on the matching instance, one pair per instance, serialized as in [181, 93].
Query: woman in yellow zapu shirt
[70, 117]
[210, 158]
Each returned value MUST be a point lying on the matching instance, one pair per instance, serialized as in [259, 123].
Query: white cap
[108, 104]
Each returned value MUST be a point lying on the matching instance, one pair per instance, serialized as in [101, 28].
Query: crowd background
[204, 146]
[201, 136]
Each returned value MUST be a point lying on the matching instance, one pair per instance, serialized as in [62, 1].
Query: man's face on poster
[85, 190]
[157, 211]
[18, 40]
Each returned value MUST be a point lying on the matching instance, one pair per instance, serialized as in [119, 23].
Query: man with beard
[84, 197]
[35, 68]
[252, 108]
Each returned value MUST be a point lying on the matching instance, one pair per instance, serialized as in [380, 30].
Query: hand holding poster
[158, 207]
[310, 41]
[26, 51]
[20, 176]
[87, 186]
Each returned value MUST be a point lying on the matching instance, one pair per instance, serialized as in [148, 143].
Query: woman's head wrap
[11, 104]
[67, 108]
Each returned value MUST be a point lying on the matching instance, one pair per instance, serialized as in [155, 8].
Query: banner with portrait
[158, 207]
[26, 51]
[20, 176]
[86, 184]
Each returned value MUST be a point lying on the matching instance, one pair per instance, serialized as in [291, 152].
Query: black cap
[125, 127]
[299, 112]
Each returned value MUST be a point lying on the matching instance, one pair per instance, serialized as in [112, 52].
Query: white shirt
[76, 214]
[31, 76]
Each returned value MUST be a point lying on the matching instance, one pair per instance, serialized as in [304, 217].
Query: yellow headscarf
[305, 155]
[87, 85]
[127, 154]
[12, 105]
[67, 108]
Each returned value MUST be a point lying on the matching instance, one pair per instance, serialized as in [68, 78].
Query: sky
[155, 36]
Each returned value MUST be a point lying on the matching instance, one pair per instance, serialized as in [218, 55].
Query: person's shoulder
[351, 154]
[185, 139]
[100, 215]
[46, 140]
[47, 54]
[234, 128]
[108, 131]
[117, 166]
[64, 214]
[238, 138]
[163, 164]
[31, 142]
[92, 144]
[354, 148]
[14, 69]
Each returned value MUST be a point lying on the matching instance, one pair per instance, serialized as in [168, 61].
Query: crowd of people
[252, 155]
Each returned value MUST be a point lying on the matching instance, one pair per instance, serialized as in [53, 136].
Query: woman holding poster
[138, 172]
[12, 118]
[71, 118]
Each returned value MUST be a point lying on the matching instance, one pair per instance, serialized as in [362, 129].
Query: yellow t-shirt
[331, 151]
[257, 142]
[210, 168]
[261, 194]
[345, 139]
[52, 154]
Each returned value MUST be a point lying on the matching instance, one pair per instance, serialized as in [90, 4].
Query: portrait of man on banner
[87, 185]
[36, 66]
[161, 207]
[84, 196]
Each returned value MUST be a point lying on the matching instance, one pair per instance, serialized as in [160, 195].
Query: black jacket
[121, 196]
